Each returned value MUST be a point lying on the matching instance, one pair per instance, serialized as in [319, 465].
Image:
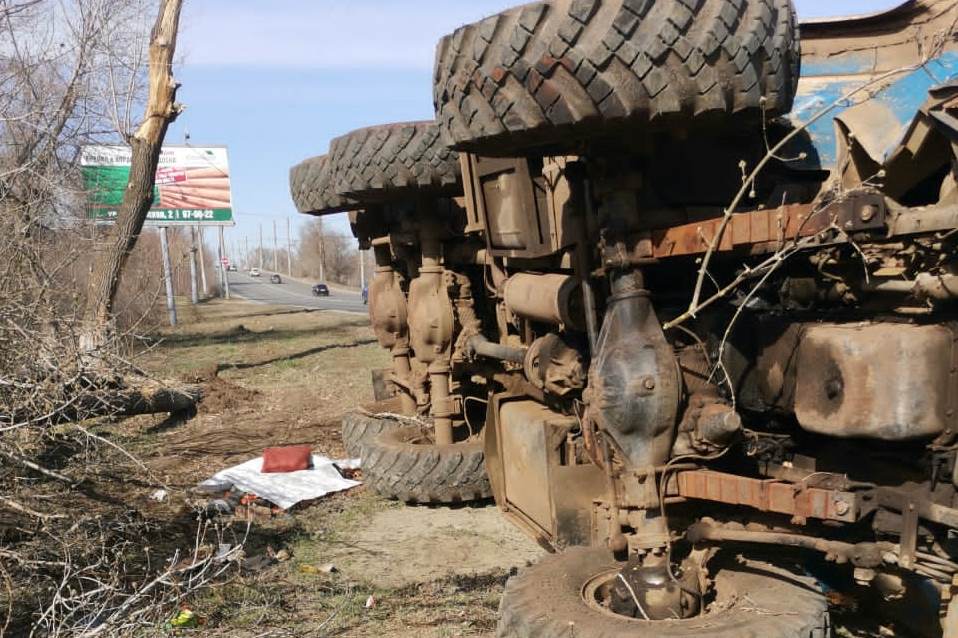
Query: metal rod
[588, 295]
[482, 346]
[168, 275]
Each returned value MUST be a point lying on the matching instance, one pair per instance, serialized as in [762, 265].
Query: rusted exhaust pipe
[924, 286]
[483, 347]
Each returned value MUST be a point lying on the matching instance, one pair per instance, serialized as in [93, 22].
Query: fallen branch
[23, 509]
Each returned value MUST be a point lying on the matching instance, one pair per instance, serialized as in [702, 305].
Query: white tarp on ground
[287, 488]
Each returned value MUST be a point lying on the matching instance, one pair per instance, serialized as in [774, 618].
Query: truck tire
[397, 465]
[556, 73]
[380, 163]
[361, 426]
[311, 185]
[754, 599]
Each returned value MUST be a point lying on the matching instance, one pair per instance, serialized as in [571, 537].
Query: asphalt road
[293, 294]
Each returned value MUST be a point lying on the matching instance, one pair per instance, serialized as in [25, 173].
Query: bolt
[841, 507]
[649, 383]
[868, 213]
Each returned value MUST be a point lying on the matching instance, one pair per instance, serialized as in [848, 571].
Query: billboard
[192, 184]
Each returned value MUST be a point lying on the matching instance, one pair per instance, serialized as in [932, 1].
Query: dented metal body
[814, 390]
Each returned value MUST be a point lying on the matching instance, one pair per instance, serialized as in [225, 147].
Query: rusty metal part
[539, 486]
[645, 589]
[634, 382]
[709, 425]
[523, 214]
[389, 319]
[431, 322]
[554, 366]
[880, 381]
[480, 345]
[925, 286]
[551, 298]
[866, 555]
[795, 499]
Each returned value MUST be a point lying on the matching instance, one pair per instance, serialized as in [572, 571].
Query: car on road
[254, 272]
[231, 268]
[320, 290]
[275, 279]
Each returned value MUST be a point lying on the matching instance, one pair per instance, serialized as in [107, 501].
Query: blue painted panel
[903, 98]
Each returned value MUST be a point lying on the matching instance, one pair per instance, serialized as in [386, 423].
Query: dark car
[320, 290]
[275, 279]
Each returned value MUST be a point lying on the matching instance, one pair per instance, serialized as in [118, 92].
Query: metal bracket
[909, 535]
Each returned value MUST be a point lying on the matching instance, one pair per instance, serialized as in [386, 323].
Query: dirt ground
[279, 377]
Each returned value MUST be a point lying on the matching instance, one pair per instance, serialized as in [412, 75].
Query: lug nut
[868, 213]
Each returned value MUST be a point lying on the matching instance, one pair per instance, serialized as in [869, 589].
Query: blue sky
[276, 80]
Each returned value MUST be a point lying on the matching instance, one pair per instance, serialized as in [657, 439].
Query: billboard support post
[206, 285]
[194, 292]
[224, 274]
[168, 275]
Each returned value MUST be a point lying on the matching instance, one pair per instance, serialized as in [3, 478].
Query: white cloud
[331, 34]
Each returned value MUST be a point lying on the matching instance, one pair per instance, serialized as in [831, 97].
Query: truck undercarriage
[704, 357]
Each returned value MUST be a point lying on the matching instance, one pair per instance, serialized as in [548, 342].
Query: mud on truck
[678, 287]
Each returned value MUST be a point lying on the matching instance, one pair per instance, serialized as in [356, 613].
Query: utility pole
[226, 276]
[246, 261]
[261, 245]
[168, 275]
[275, 249]
[362, 269]
[194, 292]
[322, 250]
[289, 248]
[206, 287]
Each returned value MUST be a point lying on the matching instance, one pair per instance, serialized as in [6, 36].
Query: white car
[254, 272]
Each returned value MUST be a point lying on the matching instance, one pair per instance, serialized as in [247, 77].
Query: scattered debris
[370, 602]
[284, 490]
[159, 495]
[326, 568]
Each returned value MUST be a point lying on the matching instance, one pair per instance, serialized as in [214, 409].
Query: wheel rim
[596, 593]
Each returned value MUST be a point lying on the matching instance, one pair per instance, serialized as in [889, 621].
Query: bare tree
[326, 254]
[146, 143]
[71, 75]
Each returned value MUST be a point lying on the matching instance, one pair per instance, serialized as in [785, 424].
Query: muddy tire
[311, 185]
[753, 600]
[395, 466]
[381, 163]
[555, 73]
[362, 425]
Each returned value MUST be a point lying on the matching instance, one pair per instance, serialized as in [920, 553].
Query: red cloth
[287, 459]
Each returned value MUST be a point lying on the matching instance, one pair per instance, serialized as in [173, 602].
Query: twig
[23, 509]
[694, 306]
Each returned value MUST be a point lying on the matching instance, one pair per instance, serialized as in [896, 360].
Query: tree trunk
[146, 143]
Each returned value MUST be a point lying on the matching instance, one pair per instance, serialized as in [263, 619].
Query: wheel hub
[647, 591]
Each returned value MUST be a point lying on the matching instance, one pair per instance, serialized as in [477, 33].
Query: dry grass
[276, 377]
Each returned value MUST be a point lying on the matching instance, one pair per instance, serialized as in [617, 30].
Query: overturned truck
[686, 285]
